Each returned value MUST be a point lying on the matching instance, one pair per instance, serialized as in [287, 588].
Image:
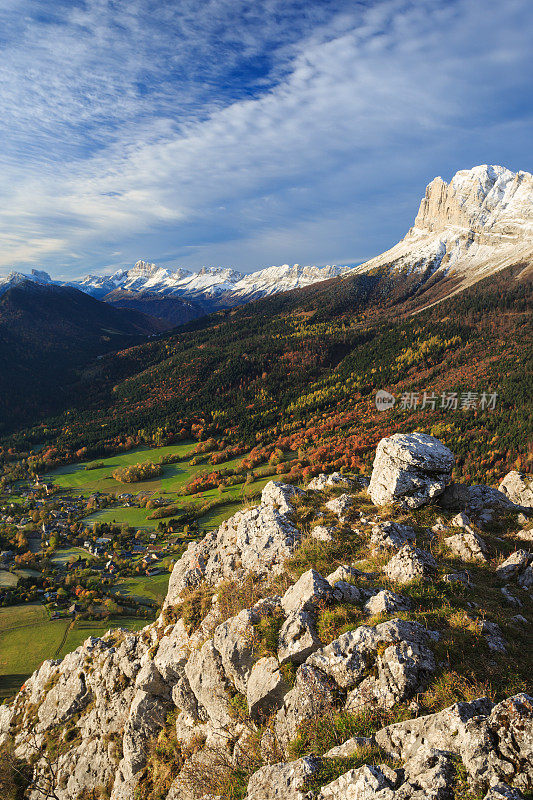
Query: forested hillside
[47, 332]
[299, 372]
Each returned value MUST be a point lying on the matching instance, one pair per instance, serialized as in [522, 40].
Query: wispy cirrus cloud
[246, 134]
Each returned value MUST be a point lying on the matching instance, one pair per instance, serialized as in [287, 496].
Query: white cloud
[367, 107]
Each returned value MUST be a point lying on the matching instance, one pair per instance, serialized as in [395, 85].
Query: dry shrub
[193, 607]
[215, 771]
[234, 596]
[10, 784]
[338, 619]
[330, 727]
[451, 688]
[324, 556]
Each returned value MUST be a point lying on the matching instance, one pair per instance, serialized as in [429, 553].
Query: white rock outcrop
[410, 470]
[515, 565]
[495, 743]
[323, 481]
[256, 540]
[518, 487]
[236, 691]
[391, 536]
[478, 223]
[409, 564]
[467, 546]
[340, 506]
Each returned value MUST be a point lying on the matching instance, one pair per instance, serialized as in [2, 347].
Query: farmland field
[217, 516]
[173, 479]
[82, 629]
[20, 625]
[64, 555]
[144, 587]
[7, 579]
[11, 579]
[76, 477]
[133, 517]
[139, 517]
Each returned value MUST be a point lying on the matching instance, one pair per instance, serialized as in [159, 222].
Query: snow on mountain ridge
[284, 278]
[145, 276]
[478, 223]
[14, 278]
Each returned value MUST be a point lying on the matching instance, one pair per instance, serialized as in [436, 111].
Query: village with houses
[50, 553]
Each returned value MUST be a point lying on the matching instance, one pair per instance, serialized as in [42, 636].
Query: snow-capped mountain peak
[208, 282]
[479, 222]
[284, 278]
[14, 278]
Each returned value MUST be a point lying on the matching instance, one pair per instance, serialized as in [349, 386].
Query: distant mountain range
[209, 282]
[480, 222]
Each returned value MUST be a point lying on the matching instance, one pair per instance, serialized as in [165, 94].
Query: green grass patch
[12, 617]
[7, 579]
[82, 629]
[331, 727]
[132, 517]
[27, 638]
[78, 478]
[65, 555]
[217, 516]
[144, 587]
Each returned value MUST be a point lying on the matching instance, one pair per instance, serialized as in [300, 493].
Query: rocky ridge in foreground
[320, 646]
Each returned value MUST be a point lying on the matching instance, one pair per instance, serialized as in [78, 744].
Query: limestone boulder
[518, 487]
[467, 546]
[515, 565]
[313, 694]
[387, 602]
[280, 496]
[341, 506]
[310, 590]
[391, 536]
[323, 481]
[410, 470]
[285, 781]
[266, 687]
[410, 563]
[297, 638]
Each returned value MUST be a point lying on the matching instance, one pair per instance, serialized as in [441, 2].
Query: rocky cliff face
[288, 663]
[479, 223]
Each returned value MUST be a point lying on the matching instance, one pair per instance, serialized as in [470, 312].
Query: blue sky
[245, 134]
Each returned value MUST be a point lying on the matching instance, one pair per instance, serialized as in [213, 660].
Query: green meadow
[64, 555]
[25, 625]
[232, 499]
[28, 637]
[86, 481]
[143, 587]
[10, 579]
[174, 478]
